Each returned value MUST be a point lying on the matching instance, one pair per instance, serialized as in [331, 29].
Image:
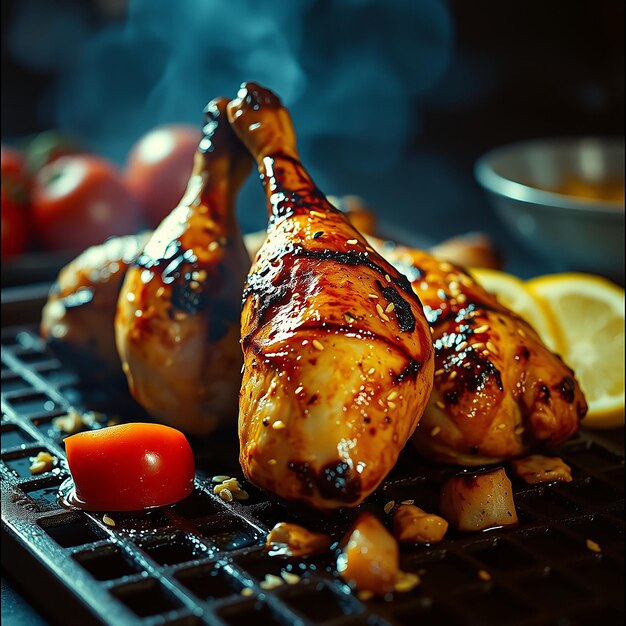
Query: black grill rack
[202, 561]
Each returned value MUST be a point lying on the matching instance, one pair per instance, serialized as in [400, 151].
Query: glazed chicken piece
[77, 319]
[498, 389]
[338, 357]
[177, 323]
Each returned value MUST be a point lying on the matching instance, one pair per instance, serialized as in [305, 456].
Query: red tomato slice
[130, 467]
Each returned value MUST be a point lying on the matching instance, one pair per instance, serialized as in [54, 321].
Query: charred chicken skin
[338, 357]
[498, 389]
[77, 319]
[177, 323]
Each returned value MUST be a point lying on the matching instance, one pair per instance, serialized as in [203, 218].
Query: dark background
[393, 101]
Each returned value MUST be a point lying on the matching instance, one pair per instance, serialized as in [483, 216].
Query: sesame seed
[390, 307]
[393, 395]
[501, 426]
[462, 345]
[213, 246]
[199, 275]
[484, 575]
[440, 404]
[478, 346]
[432, 330]
[220, 478]
[159, 292]
[467, 365]
[364, 595]
[481, 329]
[373, 296]
[435, 431]
[593, 546]
[521, 333]
[453, 374]
[352, 242]
[226, 495]
[179, 316]
[381, 313]
[485, 352]
[317, 344]
[109, 521]
[466, 280]
[445, 267]
[194, 284]
[389, 506]
[371, 370]
[299, 389]
[491, 347]
[388, 278]
[272, 461]
[369, 248]
[279, 425]
[290, 578]
[424, 285]
[318, 214]
[439, 372]
[391, 405]
[519, 430]
[247, 591]
[461, 298]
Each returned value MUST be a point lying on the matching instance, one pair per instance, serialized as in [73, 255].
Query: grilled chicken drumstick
[338, 357]
[498, 389]
[177, 323]
[77, 319]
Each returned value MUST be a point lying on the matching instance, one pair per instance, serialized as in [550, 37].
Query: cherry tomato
[158, 169]
[15, 203]
[79, 201]
[130, 467]
[15, 231]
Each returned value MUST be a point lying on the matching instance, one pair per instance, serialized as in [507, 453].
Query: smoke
[352, 73]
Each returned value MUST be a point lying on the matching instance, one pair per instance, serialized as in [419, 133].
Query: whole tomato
[15, 203]
[158, 169]
[79, 201]
[130, 467]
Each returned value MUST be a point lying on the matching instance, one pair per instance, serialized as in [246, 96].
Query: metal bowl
[525, 182]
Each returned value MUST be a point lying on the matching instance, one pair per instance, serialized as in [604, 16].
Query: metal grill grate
[188, 564]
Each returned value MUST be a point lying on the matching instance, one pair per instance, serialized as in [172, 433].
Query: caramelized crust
[338, 359]
[177, 324]
[498, 389]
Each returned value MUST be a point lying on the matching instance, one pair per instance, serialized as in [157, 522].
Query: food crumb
[247, 591]
[279, 425]
[70, 423]
[593, 546]
[43, 462]
[226, 495]
[290, 578]
[484, 575]
[109, 521]
[406, 581]
[271, 581]
[220, 478]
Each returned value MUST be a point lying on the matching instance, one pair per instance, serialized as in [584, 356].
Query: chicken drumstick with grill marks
[498, 389]
[338, 357]
[177, 322]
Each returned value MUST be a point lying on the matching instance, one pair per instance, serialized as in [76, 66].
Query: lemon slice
[512, 292]
[589, 313]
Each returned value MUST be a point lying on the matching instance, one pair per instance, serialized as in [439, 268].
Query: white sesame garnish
[478, 346]
[352, 242]
[390, 307]
[484, 575]
[388, 278]
[521, 333]
[318, 345]
[491, 347]
[461, 298]
[381, 313]
[318, 214]
[279, 425]
[435, 431]
[481, 329]
[440, 404]
[213, 246]
[220, 478]
[299, 389]
[445, 267]
[453, 374]
[272, 461]
[393, 395]
[593, 546]
[391, 405]
[462, 346]
[501, 426]
[439, 372]
[109, 521]
[373, 296]
[389, 506]
[159, 292]
[519, 430]
[371, 370]
[180, 316]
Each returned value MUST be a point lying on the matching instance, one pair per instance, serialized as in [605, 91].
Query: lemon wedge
[588, 312]
[512, 292]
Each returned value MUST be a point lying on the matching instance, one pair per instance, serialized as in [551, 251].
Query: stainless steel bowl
[578, 233]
